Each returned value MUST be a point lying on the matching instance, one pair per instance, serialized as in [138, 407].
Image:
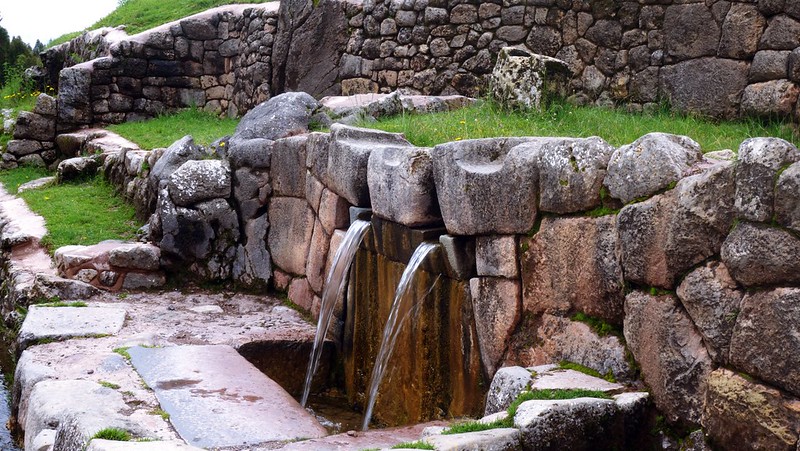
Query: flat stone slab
[61, 323]
[216, 398]
[111, 445]
[570, 379]
[371, 439]
[501, 439]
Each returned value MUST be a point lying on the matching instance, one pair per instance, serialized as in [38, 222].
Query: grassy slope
[141, 15]
[616, 127]
[162, 131]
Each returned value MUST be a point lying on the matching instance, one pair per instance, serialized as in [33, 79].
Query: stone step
[216, 398]
[61, 323]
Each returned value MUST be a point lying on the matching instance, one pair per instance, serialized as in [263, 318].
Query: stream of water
[334, 286]
[402, 309]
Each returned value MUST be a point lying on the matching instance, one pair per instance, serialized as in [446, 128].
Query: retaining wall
[721, 58]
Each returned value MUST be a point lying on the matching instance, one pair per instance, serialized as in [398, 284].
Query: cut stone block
[501, 439]
[61, 323]
[248, 407]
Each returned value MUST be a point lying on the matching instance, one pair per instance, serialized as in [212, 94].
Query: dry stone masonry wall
[691, 255]
[720, 58]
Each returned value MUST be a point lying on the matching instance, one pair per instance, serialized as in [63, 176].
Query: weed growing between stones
[116, 434]
[110, 385]
[64, 304]
[160, 412]
[600, 327]
[567, 365]
[420, 444]
[123, 352]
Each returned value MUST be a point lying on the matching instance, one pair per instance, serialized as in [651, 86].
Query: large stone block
[739, 411]
[496, 302]
[198, 181]
[712, 299]
[496, 256]
[764, 340]
[782, 33]
[650, 164]
[253, 266]
[787, 198]
[760, 160]
[251, 153]
[290, 233]
[401, 186]
[708, 86]
[486, 186]
[507, 383]
[317, 258]
[571, 265]
[741, 31]
[582, 423]
[74, 103]
[279, 117]
[174, 157]
[770, 98]
[570, 172]
[288, 168]
[690, 31]
[251, 190]
[757, 254]
[675, 365]
[23, 147]
[35, 126]
[348, 158]
[524, 80]
[667, 235]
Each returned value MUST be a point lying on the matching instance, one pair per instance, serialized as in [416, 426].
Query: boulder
[650, 164]
[74, 91]
[570, 172]
[288, 166]
[498, 439]
[739, 410]
[284, 115]
[712, 299]
[769, 65]
[35, 126]
[23, 147]
[760, 160]
[141, 256]
[401, 186]
[45, 105]
[757, 254]
[346, 171]
[787, 198]
[198, 181]
[674, 363]
[763, 342]
[667, 235]
[708, 86]
[292, 223]
[48, 286]
[523, 80]
[571, 265]
[486, 186]
[770, 98]
[174, 157]
[76, 169]
[782, 33]
[558, 339]
[581, 423]
[508, 382]
[251, 153]
[741, 31]
[497, 302]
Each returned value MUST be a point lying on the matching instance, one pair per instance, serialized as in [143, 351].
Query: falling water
[334, 285]
[393, 326]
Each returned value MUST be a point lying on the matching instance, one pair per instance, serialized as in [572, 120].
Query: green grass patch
[83, 213]
[487, 120]
[548, 394]
[476, 426]
[63, 304]
[567, 365]
[110, 385]
[419, 444]
[160, 412]
[123, 352]
[116, 434]
[141, 15]
[600, 327]
[164, 130]
[13, 178]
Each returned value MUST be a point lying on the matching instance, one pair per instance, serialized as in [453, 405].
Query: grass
[110, 385]
[63, 304]
[12, 179]
[476, 426]
[487, 120]
[419, 444]
[567, 365]
[116, 434]
[164, 130]
[160, 412]
[83, 213]
[141, 15]
[600, 327]
[123, 352]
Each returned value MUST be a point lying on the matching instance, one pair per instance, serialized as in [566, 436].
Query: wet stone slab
[61, 323]
[216, 398]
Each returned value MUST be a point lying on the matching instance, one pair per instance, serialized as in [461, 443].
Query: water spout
[402, 302]
[334, 285]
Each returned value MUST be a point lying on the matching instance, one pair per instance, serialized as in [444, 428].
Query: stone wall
[689, 258]
[720, 58]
